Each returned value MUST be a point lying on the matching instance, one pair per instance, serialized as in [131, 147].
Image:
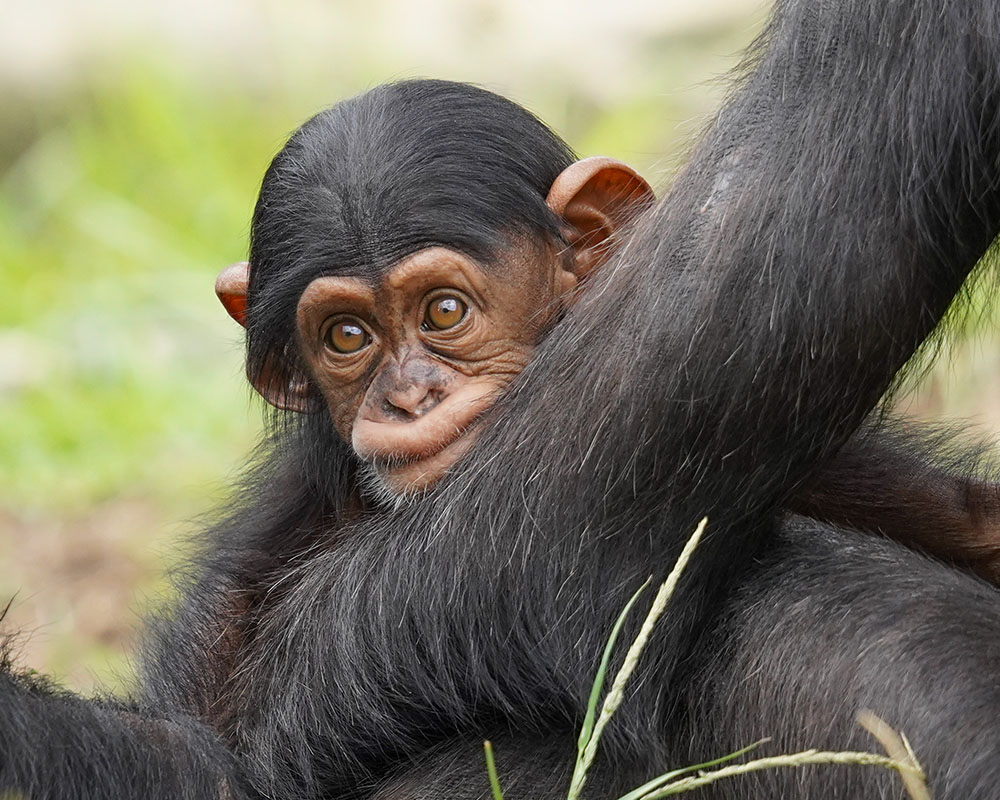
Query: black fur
[748, 327]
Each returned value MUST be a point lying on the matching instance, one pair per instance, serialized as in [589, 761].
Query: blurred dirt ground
[87, 572]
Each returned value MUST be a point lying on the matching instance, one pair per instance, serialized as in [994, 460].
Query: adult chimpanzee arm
[920, 491]
[54, 744]
[707, 370]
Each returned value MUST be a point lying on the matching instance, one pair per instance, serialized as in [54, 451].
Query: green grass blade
[491, 770]
[666, 777]
[692, 782]
[598, 686]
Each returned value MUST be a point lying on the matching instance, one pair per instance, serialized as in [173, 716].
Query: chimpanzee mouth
[394, 462]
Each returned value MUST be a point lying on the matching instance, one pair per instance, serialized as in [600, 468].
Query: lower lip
[422, 472]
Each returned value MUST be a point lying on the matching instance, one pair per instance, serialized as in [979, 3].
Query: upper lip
[389, 444]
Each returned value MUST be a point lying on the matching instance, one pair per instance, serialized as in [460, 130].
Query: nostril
[430, 399]
[391, 411]
[413, 401]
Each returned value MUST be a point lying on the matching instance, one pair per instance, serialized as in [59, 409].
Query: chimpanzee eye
[445, 311]
[347, 336]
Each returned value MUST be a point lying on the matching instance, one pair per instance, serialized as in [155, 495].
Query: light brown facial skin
[410, 399]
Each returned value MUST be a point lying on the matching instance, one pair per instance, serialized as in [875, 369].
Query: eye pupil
[445, 312]
[348, 337]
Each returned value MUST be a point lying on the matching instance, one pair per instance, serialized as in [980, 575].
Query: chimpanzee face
[409, 366]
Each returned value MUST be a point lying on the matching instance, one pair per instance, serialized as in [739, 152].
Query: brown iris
[347, 336]
[445, 311]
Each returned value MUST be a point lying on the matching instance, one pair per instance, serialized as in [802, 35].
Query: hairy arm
[54, 744]
[909, 490]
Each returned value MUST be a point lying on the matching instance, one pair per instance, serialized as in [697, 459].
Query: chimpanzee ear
[596, 197]
[273, 381]
[231, 289]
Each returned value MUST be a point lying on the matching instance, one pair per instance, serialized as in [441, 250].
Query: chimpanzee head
[409, 248]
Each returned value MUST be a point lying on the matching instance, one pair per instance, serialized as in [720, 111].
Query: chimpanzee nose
[414, 399]
[410, 387]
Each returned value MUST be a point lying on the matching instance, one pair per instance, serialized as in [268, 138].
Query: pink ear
[602, 182]
[231, 289]
[596, 197]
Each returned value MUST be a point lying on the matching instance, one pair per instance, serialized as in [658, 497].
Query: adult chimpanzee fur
[747, 328]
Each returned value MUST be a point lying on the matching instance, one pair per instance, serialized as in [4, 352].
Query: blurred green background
[133, 137]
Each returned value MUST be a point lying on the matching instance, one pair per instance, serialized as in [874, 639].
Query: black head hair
[375, 178]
